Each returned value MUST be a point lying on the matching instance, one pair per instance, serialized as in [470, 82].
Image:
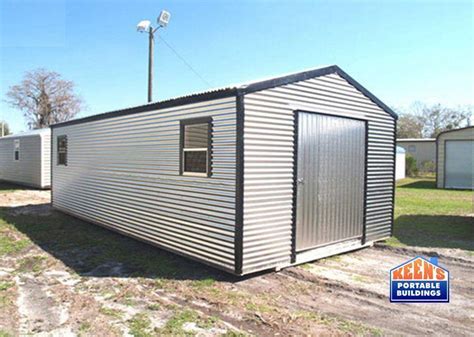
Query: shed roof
[37, 132]
[400, 149]
[454, 130]
[416, 140]
[238, 89]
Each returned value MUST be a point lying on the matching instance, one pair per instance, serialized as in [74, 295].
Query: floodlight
[143, 25]
[164, 18]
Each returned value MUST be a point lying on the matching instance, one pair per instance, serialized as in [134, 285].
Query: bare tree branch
[44, 98]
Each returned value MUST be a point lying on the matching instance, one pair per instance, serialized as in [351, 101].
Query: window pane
[17, 155]
[62, 150]
[195, 135]
[195, 161]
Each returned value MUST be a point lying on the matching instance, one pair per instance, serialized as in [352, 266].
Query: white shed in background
[400, 163]
[455, 168]
[422, 149]
[25, 158]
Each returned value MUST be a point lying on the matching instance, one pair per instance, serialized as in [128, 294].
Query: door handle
[300, 181]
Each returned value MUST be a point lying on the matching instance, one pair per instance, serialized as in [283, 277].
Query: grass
[4, 333]
[6, 285]
[84, 328]
[31, 264]
[8, 243]
[139, 325]
[174, 326]
[83, 247]
[429, 217]
[204, 283]
[154, 307]
[349, 327]
[115, 313]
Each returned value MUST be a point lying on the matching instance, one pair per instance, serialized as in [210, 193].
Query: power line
[184, 61]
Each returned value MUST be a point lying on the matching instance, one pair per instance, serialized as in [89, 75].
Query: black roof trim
[221, 93]
[237, 91]
[334, 69]
[366, 92]
[447, 131]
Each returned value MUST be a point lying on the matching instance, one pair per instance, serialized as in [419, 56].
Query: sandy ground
[342, 295]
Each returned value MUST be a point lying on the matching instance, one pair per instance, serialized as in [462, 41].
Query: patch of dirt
[342, 295]
[24, 197]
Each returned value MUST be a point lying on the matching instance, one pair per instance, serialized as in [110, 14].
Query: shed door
[459, 166]
[330, 180]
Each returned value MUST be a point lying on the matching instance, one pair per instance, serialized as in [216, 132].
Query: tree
[6, 129]
[421, 120]
[409, 126]
[44, 98]
[437, 119]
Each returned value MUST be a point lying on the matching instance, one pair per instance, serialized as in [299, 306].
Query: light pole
[146, 27]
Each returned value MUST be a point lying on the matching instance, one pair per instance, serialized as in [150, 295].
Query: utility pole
[145, 26]
[151, 45]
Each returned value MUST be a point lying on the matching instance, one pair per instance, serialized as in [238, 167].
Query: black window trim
[57, 149]
[192, 121]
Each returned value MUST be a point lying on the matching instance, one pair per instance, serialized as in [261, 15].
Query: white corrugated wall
[28, 169]
[268, 163]
[123, 172]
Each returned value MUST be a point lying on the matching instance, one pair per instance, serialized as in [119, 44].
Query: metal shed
[25, 158]
[422, 149]
[454, 159]
[400, 162]
[244, 178]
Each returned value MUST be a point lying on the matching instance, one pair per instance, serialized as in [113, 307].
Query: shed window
[196, 147]
[412, 148]
[16, 152]
[62, 150]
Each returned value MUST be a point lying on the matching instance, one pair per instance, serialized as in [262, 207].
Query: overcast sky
[402, 51]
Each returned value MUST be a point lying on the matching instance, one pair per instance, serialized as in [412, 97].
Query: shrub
[410, 167]
[428, 166]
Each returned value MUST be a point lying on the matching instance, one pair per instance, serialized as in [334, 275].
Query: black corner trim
[394, 178]
[239, 187]
[295, 185]
[222, 93]
[366, 181]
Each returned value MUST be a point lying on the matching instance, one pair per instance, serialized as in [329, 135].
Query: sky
[402, 51]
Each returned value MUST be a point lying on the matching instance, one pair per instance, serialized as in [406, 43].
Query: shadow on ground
[91, 250]
[425, 184]
[7, 186]
[440, 231]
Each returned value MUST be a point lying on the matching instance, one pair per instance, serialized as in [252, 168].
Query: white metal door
[459, 164]
[330, 180]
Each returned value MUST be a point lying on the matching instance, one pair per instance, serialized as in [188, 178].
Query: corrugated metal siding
[331, 171]
[46, 160]
[26, 170]
[466, 134]
[123, 173]
[268, 163]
